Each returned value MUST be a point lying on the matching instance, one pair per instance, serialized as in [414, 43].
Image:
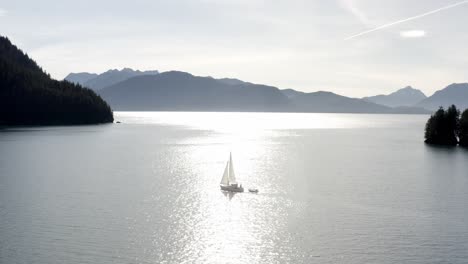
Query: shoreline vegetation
[447, 128]
[30, 97]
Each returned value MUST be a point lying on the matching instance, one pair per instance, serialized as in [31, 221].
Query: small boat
[253, 190]
[228, 181]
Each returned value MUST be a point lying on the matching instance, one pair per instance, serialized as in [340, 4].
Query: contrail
[407, 19]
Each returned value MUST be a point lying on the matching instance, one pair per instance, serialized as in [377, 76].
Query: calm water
[334, 188]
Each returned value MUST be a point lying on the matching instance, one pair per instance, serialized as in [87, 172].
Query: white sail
[225, 179]
[232, 176]
[229, 182]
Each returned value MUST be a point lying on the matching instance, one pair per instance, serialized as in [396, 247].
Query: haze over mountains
[407, 96]
[456, 93]
[80, 78]
[130, 90]
[328, 102]
[108, 78]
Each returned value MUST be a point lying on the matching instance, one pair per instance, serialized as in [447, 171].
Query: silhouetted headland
[29, 96]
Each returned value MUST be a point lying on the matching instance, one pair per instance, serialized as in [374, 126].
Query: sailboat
[228, 182]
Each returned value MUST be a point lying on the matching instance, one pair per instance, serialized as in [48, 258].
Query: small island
[29, 96]
[445, 127]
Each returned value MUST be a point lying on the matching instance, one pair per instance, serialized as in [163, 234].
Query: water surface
[334, 188]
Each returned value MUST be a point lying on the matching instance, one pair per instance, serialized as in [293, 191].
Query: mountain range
[108, 78]
[180, 91]
[134, 90]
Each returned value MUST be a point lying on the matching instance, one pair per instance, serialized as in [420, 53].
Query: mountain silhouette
[407, 96]
[80, 78]
[328, 102]
[180, 91]
[108, 78]
[456, 93]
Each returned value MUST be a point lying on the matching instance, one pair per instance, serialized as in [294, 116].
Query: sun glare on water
[241, 122]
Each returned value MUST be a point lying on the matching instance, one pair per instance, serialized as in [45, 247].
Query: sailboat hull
[230, 188]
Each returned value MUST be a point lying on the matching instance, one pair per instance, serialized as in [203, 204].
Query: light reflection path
[238, 228]
[218, 227]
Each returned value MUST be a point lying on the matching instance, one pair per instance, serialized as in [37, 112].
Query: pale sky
[350, 47]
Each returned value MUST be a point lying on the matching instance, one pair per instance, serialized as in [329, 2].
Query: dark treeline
[463, 132]
[445, 127]
[29, 96]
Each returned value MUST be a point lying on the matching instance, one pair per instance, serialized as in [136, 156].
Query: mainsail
[225, 179]
[232, 176]
[228, 176]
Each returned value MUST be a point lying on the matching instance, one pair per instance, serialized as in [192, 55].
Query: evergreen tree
[452, 117]
[433, 132]
[442, 127]
[463, 131]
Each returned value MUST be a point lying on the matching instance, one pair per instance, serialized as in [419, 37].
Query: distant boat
[229, 182]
